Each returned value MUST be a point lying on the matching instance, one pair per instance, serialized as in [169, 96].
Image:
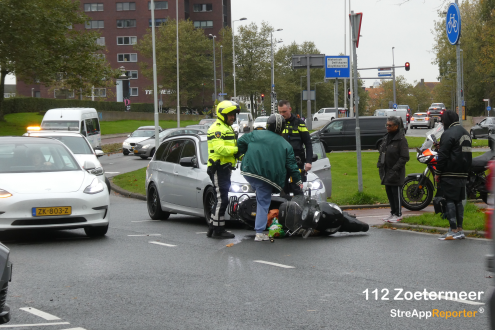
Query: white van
[326, 114]
[402, 113]
[82, 120]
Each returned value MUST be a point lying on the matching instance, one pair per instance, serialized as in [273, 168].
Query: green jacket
[222, 144]
[268, 157]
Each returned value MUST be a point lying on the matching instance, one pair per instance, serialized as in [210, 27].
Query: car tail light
[408, 115]
[441, 112]
[427, 118]
[428, 113]
[412, 119]
[489, 211]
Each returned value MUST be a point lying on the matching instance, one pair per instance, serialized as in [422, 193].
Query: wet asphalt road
[123, 281]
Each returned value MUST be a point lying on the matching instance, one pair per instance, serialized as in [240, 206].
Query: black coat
[394, 154]
[454, 154]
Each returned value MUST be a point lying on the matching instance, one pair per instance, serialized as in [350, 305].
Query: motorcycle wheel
[412, 197]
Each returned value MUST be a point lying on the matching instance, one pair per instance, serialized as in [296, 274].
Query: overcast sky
[386, 23]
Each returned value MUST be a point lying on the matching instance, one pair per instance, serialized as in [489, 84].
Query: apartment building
[121, 24]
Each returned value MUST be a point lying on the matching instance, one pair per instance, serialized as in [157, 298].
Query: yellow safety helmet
[226, 107]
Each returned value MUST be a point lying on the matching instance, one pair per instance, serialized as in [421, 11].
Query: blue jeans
[263, 200]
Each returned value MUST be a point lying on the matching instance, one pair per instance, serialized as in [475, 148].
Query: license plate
[259, 127]
[420, 119]
[50, 211]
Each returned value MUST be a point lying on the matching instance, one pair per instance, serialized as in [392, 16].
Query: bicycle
[452, 24]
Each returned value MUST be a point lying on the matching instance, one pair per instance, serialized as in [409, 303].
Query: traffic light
[348, 93]
[408, 66]
[262, 97]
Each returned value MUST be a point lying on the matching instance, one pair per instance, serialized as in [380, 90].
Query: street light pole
[221, 67]
[155, 89]
[301, 93]
[272, 99]
[233, 52]
[214, 66]
[177, 32]
[393, 71]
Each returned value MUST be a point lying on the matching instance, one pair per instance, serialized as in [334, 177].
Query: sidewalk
[113, 138]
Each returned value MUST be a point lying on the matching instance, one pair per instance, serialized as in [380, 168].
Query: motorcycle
[418, 188]
[298, 215]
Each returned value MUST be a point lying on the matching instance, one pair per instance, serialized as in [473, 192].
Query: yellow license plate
[51, 211]
[259, 127]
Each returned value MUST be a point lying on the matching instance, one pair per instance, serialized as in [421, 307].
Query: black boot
[221, 233]
[210, 230]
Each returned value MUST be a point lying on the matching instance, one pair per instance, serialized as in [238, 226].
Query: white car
[260, 122]
[81, 149]
[141, 134]
[177, 182]
[43, 186]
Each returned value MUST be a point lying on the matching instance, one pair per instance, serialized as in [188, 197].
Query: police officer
[298, 137]
[222, 146]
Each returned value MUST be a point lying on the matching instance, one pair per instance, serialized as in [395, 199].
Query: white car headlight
[241, 188]
[95, 187]
[4, 193]
[146, 146]
[315, 185]
[97, 171]
[126, 144]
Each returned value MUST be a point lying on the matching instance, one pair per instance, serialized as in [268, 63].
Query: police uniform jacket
[222, 144]
[298, 137]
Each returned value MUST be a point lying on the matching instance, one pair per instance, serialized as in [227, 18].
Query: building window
[63, 94]
[158, 5]
[127, 57]
[126, 40]
[93, 7]
[124, 6]
[100, 41]
[158, 21]
[132, 74]
[126, 23]
[100, 92]
[133, 91]
[203, 24]
[202, 7]
[94, 25]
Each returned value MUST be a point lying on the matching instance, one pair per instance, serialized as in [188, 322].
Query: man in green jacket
[268, 157]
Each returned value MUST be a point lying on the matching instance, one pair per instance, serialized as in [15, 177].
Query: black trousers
[292, 187]
[393, 194]
[220, 176]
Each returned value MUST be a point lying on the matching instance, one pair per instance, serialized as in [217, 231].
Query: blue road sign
[384, 74]
[453, 24]
[222, 93]
[488, 108]
[395, 105]
[337, 67]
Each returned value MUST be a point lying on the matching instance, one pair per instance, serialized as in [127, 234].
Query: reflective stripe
[466, 149]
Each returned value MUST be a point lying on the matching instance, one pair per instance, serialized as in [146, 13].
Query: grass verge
[416, 142]
[132, 181]
[111, 148]
[474, 219]
[16, 123]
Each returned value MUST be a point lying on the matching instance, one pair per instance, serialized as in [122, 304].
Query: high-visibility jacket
[297, 135]
[222, 144]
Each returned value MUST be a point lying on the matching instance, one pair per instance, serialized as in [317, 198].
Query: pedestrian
[393, 156]
[267, 160]
[222, 146]
[298, 137]
[453, 163]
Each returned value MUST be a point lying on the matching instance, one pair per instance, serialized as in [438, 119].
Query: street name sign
[337, 67]
[384, 74]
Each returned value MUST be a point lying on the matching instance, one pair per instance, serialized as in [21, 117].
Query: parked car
[43, 187]
[421, 119]
[260, 122]
[436, 111]
[177, 182]
[141, 134]
[481, 129]
[146, 148]
[340, 134]
[207, 121]
[326, 114]
[243, 123]
[201, 127]
[81, 149]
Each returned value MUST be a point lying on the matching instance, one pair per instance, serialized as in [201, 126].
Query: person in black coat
[394, 154]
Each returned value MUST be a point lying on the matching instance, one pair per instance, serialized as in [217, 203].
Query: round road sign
[488, 108]
[453, 24]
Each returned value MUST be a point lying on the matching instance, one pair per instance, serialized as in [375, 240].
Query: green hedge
[33, 104]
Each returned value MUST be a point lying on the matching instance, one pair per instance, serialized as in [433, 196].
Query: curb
[439, 229]
[377, 206]
[126, 193]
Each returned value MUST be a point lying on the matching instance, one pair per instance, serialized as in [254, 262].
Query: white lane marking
[201, 232]
[273, 264]
[112, 172]
[37, 312]
[143, 220]
[31, 325]
[385, 215]
[75, 329]
[159, 243]
[444, 297]
[145, 235]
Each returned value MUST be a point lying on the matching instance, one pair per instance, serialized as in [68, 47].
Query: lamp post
[272, 96]
[462, 79]
[125, 85]
[233, 51]
[221, 67]
[301, 92]
[214, 66]
[393, 70]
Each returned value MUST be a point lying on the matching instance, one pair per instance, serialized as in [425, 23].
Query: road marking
[159, 243]
[201, 232]
[385, 215]
[145, 235]
[112, 172]
[37, 312]
[75, 329]
[143, 220]
[273, 264]
[31, 325]
[444, 297]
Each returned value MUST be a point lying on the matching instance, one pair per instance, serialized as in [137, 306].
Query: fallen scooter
[299, 215]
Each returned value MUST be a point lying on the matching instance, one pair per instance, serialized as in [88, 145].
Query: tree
[195, 59]
[37, 42]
